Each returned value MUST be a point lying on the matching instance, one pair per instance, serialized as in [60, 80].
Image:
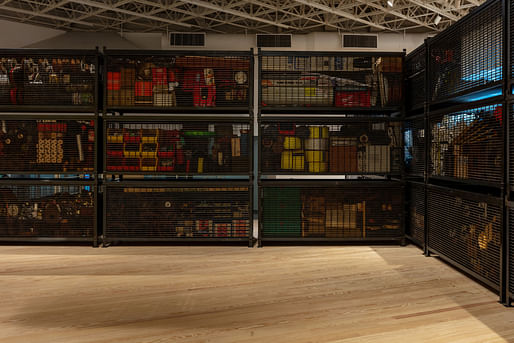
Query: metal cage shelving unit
[466, 144]
[340, 211]
[178, 211]
[330, 146]
[327, 126]
[415, 79]
[465, 229]
[49, 80]
[466, 60]
[49, 101]
[178, 146]
[49, 145]
[48, 211]
[416, 212]
[200, 82]
[466, 119]
[330, 82]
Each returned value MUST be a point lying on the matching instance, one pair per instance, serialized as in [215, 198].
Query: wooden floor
[236, 294]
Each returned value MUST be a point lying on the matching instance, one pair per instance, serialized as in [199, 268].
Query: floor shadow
[478, 299]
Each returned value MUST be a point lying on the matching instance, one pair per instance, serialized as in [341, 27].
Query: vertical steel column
[426, 110]
[506, 188]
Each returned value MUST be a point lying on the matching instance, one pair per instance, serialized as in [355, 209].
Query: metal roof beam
[235, 13]
[341, 13]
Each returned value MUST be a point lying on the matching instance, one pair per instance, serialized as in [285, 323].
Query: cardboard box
[343, 155]
[128, 77]
[164, 99]
[236, 146]
[341, 220]
[360, 98]
[376, 159]
[298, 96]
[127, 97]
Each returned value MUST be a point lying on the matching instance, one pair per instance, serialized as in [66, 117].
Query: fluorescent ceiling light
[390, 3]
[437, 19]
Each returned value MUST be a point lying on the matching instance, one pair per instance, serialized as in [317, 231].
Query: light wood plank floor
[236, 294]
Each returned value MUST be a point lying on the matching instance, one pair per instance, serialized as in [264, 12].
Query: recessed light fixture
[437, 19]
[390, 3]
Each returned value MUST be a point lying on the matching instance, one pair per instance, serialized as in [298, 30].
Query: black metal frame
[31, 182]
[92, 109]
[400, 239]
[180, 110]
[78, 175]
[107, 239]
[278, 110]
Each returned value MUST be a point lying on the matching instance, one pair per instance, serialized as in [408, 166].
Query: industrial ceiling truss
[239, 16]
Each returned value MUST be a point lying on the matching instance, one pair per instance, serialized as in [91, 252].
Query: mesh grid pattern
[46, 211]
[178, 81]
[414, 144]
[512, 36]
[467, 145]
[511, 145]
[417, 212]
[178, 147]
[342, 147]
[47, 79]
[416, 91]
[177, 212]
[340, 81]
[331, 212]
[511, 251]
[415, 64]
[37, 145]
[467, 55]
[466, 230]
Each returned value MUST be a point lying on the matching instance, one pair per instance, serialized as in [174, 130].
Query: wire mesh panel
[337, 212]
[512, 38]
[177, 212]
[177, 80]
[468, 144]
[171, 146]
[511, 146]
[45, 78]
[344, 146]
[416, 201]
[415, 70]
[295, 79]
[414, 146]
[47, 145]
[468, 55]
[511, 252]
[466, 228]
[35, 210]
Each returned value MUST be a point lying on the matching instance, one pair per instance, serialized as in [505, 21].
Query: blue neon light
[494, 74]
[485, 95]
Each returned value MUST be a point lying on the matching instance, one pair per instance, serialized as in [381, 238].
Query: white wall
[85, 40]
[17, 35]
[318, 41]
